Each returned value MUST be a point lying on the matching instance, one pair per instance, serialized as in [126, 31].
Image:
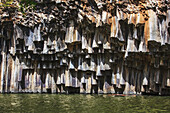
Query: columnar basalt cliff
[85, 46]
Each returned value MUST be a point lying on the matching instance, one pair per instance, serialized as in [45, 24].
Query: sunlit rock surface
[85, 46]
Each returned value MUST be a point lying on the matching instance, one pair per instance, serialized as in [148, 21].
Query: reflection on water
[53, 103]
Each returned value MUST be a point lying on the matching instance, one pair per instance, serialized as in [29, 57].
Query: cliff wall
[85, 46]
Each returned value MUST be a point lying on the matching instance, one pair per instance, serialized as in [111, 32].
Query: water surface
[52, 103]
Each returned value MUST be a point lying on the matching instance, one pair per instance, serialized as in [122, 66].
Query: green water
[52, 103]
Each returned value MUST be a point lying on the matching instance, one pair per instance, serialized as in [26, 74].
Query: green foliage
[25, 3]
[7, 3]
[28, 3]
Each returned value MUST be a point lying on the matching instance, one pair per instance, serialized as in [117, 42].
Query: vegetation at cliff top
[23, 3]
[28, 2]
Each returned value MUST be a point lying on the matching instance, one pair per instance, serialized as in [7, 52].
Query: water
[52, 103]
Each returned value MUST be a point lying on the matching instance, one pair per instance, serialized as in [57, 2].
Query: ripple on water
[82, 103]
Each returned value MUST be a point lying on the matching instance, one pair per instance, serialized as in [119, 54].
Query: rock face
[85, 46]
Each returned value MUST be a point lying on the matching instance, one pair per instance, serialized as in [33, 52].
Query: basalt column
[85, 46]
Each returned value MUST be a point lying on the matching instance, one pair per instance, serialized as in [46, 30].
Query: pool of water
[52, 103]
